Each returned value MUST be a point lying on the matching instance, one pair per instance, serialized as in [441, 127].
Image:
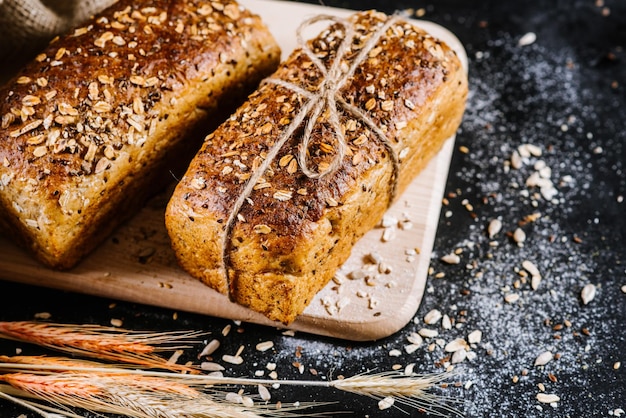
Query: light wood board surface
[136, 263]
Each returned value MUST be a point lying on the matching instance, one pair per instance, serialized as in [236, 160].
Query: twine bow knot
[325, 97]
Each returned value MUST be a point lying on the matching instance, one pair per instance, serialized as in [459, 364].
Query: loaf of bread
[277, 196]
[103, 115]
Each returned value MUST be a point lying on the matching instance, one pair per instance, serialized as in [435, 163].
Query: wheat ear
[104, 343]
[408, 390]
[105, 388]
[132, 395]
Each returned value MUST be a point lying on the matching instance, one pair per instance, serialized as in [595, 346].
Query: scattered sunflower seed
[519, 236]
[210, 348]
[494, 227]
[264, 346]
[210, 366]
[446, 323]
[530, 267]
[408, 370]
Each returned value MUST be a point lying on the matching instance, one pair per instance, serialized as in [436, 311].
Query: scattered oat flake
[385, 403]
[548, 398]
[408, 370]
[451, 258]
[475, 337]
[395, 353]
[511, 297]
[264, 393]
[116, 322]
[428, 333]
[233, 397]
[411, 348]
[43, 315]
[458, 356]
[623, 288]
[388, 234]
[432, 317]
[415, 339]
[544, 358]
[456, 345]
[588, 293]
[528, 39]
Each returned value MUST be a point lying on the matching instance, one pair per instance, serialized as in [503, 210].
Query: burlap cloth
[27, 25]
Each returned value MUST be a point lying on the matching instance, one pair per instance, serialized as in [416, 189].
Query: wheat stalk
[131, 395]
[139, 348]
[105, 343]
[408, 390]
[105, 388]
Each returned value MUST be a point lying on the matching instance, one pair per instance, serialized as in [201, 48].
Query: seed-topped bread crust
[89, 126]
[293, 230]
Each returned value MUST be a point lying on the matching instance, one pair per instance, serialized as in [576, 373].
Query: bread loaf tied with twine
[277, 196]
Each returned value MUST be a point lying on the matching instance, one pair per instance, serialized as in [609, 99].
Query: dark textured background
[564, 93]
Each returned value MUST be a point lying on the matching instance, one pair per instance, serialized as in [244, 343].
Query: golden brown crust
[294, 231]
[89, 126]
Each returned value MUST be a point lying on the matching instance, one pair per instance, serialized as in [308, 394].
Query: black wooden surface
[564, 93]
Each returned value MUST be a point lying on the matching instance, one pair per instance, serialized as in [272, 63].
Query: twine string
[325, 97]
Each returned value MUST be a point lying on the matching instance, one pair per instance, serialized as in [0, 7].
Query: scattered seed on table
[544, 358]
[548, 398]
[588, 293]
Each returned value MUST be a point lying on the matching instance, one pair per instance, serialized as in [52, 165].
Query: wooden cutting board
[375, 294]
